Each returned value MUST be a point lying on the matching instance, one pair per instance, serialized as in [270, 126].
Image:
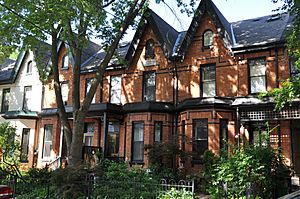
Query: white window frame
[208, 84]
[208, 38]
[65, 92]
[47, 143]
[89, 134]
[88, 84]
[27, 99]
[257, 75]
[115, 89]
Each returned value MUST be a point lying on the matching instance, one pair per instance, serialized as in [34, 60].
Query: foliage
[118, 181]
[161, 158]
[290, 89]
[9, 145]
[257, 171]
[175, 194]
[70, 182]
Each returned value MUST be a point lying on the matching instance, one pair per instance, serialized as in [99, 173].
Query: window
[88, 85]
[157, 132]
[29, 67]
[113, 139]
[27, 98]
[138, 142]
[25, 145]
[200, 138]
[149, 49]
[258, 134]
[294, 71]
[47, 141]
[257, 69]
[5, 100]
[207, 38]
[183, 135]
[149, 86]
[65, 62]
[88, 136]
[223, 134]
[208, 81]
[65, 92]
[115, 89]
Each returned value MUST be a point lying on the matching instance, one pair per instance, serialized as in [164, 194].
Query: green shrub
[117, 181]
[176, 194]
[258, 171]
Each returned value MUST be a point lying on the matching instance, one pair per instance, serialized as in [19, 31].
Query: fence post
[193, 188]
[134, 188]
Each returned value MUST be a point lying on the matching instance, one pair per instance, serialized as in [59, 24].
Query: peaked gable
[223, 26]
[165, 33]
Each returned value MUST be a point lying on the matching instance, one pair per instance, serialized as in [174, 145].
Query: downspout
[237, 135]
[104, 133]
[36, 141]
[175, 106]
[276, 68]
[99, 132]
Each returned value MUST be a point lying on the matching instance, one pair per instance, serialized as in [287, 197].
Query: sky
[233, 10]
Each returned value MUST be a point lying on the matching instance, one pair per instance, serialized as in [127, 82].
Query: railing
[135, 188]
[55, 164]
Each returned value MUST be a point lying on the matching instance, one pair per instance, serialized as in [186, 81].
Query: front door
[296, 145]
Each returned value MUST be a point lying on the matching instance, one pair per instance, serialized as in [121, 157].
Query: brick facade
[231, 81]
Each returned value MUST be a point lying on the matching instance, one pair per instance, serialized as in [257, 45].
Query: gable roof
[223, 26]
[6, 70]
[10, 69]
[165, 33]
[262, 30]
[250, 33]
[94, 61]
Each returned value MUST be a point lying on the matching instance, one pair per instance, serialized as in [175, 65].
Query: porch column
[104, 133]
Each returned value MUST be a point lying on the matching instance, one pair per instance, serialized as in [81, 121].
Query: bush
[256, 171]
[117, 181]
[175, 194]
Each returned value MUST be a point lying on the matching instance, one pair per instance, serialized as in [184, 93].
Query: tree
[290, 88]
[9, 146]
[75, 22]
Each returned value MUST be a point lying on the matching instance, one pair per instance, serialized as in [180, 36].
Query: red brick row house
[199, 86]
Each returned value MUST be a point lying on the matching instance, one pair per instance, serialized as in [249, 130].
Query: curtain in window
[138, 142]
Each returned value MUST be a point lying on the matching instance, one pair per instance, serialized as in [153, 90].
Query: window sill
[132, 163]
[46, 159]
[150, 62]
[197, 161]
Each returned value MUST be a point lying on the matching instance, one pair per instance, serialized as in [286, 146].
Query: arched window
[65, 62]
[149, 49]
[207, 38]
[29, 67]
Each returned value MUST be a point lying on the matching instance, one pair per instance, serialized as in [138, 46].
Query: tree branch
[132, 13]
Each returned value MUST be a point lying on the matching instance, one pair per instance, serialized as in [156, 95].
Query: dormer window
[207, 38]
[65, 62]
[29, 67]
[149, 49]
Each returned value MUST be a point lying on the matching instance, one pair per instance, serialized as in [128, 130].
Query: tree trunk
[75, 156]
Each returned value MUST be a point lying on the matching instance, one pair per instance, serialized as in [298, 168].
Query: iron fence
[96, 188]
